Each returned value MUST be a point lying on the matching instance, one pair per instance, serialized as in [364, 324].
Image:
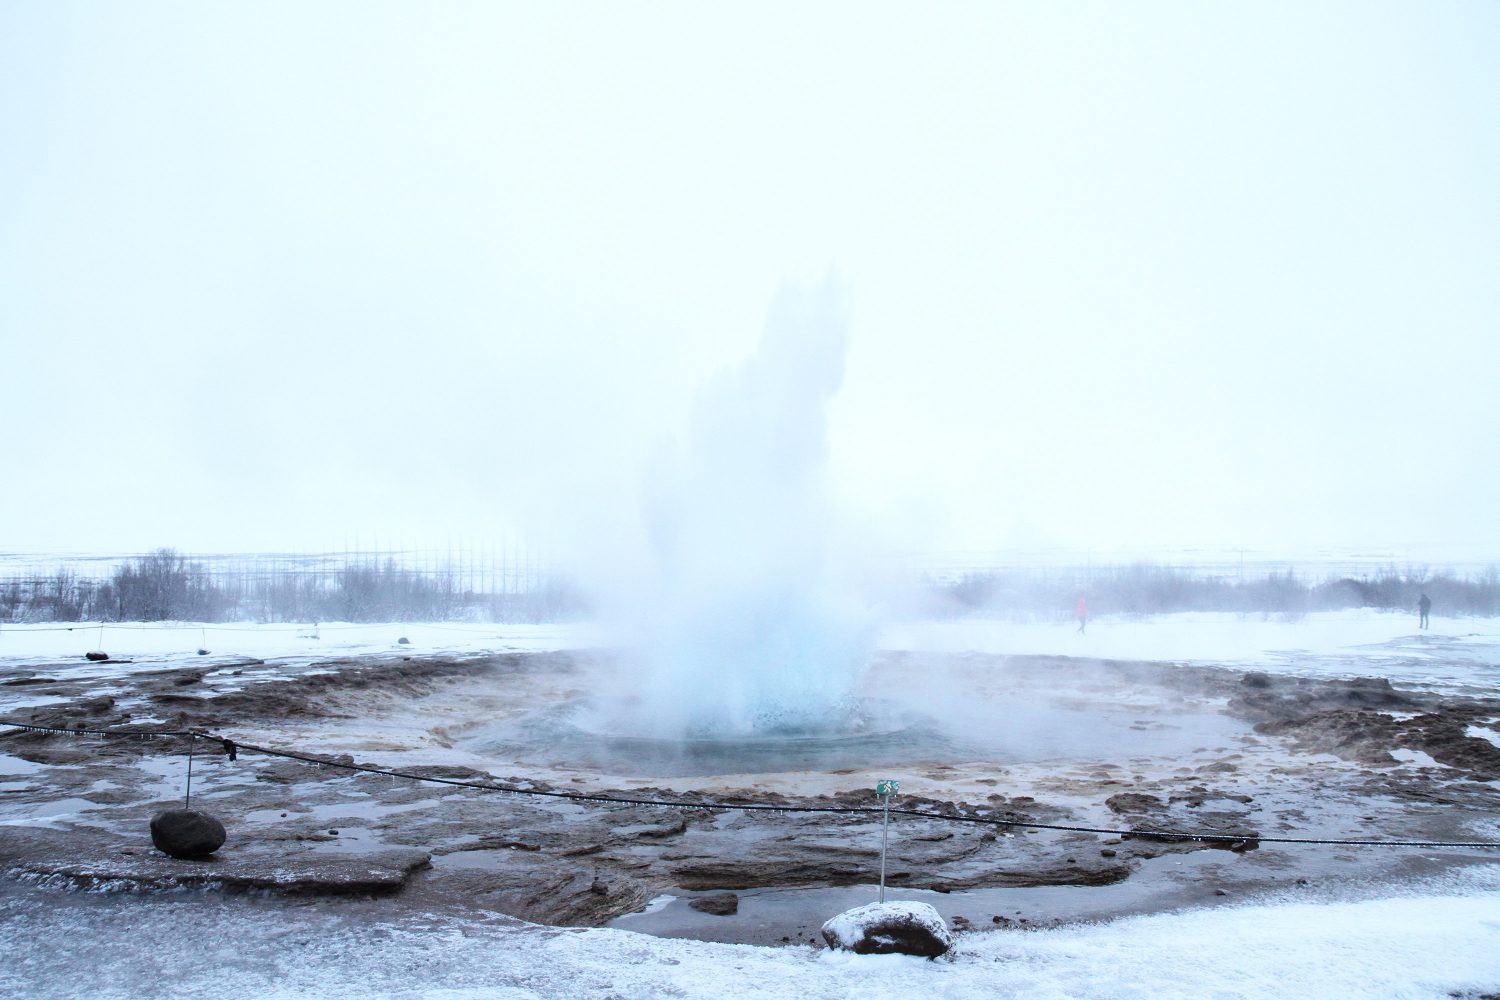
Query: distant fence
[514, 586]
[351, 586]
[1147, 588]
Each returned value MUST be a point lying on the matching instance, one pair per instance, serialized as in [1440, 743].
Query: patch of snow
[1484, 734]
[64, 643]
[11, 765]
[1336, 643]
[1418, 757]
[1433, 943]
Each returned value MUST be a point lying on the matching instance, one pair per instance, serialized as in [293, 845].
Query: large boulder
[184, 833]
[889, 928]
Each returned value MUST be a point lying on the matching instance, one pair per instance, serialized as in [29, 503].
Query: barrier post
[187, 798]
[885, 789]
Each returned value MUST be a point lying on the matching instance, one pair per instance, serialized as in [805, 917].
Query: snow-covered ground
[1438, 939]
[1454, 654]
[174, 640]
[1190, 637]
[1215, 637]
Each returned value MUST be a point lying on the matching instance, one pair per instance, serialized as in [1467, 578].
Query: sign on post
[885, 789]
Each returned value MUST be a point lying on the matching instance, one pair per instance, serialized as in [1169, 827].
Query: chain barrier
[233, 748]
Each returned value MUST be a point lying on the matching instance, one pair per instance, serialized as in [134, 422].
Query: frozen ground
[1454, 654]
[1439, 940]
[1309, 643]
[1435, 936]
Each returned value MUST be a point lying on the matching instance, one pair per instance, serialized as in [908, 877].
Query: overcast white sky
[1119, 275]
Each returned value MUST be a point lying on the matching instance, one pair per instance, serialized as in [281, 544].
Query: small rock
[889, 928]
[1133, 802]
[334, 833]
[202, 651]
[183, 833]
[1220, 892]
[1108, 853]
[96, 655]
[403, 641]
[720, 904]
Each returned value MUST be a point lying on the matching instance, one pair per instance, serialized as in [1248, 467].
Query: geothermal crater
[1051, 740]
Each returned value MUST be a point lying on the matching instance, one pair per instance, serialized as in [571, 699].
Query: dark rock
[88, 860]
[183, 833]
[889, 928]
[751, 873]
[202, 652]
[403, 641]
[1133, 802]
[721, 904]
[664, 831]
[96, 655]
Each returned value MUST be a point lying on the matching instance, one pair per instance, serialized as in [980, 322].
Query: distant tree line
[1145, 588]
[165, 586]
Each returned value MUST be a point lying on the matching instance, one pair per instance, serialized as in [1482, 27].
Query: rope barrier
[233, 747]
[80, 731]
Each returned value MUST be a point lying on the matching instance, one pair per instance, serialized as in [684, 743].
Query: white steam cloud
[742, 619]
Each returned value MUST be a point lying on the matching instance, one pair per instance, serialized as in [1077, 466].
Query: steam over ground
[740, 615]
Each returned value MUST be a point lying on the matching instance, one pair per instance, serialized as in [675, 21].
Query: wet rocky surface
[1283, 757]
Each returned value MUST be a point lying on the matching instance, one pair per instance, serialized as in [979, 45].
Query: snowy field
[1455, 653]
[1431, 940]
[1206, 637]
[1438, 938]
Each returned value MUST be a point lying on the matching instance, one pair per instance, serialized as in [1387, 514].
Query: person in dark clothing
[1423, 606]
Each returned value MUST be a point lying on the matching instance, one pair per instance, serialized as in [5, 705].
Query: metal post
[885, 824]
[187, 798]
[885, 789]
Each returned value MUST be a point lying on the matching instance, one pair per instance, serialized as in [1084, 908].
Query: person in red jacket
[1083, 613]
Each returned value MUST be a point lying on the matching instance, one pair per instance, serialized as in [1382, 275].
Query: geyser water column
[748, 624]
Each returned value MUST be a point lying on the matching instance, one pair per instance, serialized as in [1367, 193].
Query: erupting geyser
[744, 622]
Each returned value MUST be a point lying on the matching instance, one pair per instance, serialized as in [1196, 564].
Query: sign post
[886, 790]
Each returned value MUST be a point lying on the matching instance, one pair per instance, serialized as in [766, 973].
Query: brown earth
[1319, 762]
